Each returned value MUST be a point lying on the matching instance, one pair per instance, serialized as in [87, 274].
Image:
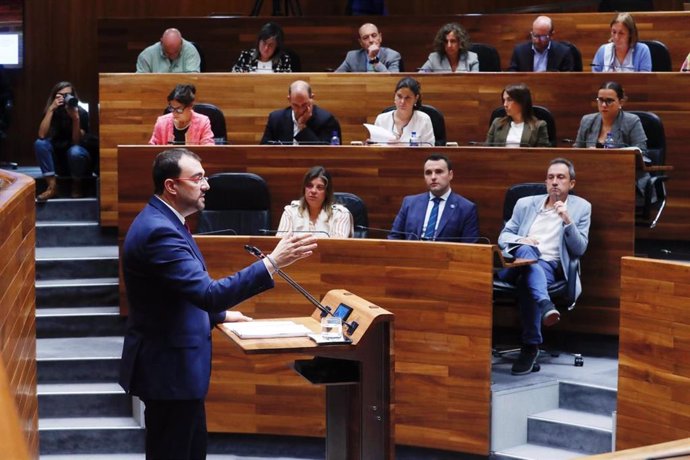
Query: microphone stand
[325, 311]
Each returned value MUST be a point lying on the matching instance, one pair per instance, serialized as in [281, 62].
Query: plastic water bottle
[414, 140]
[335, 140]
[609, 143]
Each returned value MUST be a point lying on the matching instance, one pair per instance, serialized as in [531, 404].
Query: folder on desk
[267, 329]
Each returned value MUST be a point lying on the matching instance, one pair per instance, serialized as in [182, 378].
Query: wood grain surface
[17, 314]
[440, 295]
[654, 353]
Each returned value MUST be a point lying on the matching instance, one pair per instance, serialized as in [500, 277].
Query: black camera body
[71, 101]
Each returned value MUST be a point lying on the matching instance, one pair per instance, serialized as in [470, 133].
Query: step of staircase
[70, 209]
[90, 435]
[73, 233]
[571, 430]
[80, 359]
[77, 292]
[79, 322]
[76, 262]
[587, 398]
[57, 400]
[535, 452]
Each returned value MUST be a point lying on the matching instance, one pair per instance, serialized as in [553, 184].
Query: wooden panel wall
[131, 103]
[441, 297]
[322, 42]
[654, 353]
[382, 176]
[18, 300]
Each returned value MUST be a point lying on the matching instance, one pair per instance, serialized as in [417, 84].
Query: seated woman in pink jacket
[182, 125]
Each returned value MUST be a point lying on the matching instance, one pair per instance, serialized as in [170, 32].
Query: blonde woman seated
[406, 118]
[623, 52]
[182, 125]
[451, 51]
[316, 211]
[519, 128]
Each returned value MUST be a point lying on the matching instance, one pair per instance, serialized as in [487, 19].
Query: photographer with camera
[59, 146]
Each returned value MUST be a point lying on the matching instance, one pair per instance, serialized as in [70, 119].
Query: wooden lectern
[357, 375]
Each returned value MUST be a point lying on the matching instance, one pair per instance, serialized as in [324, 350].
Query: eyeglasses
[194, 180]
[177, 109]
[540, 37]
[605, 100]
[318, 187]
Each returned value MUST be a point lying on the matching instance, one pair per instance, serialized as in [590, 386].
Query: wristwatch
[374, 61]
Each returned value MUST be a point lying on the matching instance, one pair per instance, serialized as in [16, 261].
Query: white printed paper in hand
[379, 134]
[267, 329]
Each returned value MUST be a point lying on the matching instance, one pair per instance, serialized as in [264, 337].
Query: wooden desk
[442, 339]
[381, 176]
[676, 450]
[131, 103]
[654, 353]
[18, 313]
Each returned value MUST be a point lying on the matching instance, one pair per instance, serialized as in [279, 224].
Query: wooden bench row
[382, 176]
[130, 104]
[322, 42]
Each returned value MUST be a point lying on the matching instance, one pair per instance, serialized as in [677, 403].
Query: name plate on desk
[267, 329]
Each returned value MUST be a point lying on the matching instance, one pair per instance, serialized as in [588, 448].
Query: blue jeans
[76, 161]
[532, 286]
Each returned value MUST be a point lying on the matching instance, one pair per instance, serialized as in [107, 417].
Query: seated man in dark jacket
[301, 123]
[542, 54]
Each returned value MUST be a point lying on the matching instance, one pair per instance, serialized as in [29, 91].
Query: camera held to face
[71, 101]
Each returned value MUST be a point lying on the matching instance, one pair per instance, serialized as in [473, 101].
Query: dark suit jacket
[558, 59]
[459, 219]
[172, 304]
[319, 128]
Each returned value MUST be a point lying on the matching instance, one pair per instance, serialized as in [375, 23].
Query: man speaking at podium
[438, 214]
[173, 302]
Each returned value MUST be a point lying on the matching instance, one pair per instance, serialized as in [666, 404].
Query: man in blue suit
[173, 303]
[553, 229]
[438, 214]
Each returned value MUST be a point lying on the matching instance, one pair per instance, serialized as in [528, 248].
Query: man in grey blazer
[372, 57]
[552, 228]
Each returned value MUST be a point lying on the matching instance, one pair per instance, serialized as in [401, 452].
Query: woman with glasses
[268, 56]
[60, 147]
[623, 53]
[519, 127]
[451, 51]
[625, 129]
[316, 211]
[407, 118]
[182, 126]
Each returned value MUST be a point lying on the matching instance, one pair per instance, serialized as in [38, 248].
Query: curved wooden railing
[18, 400]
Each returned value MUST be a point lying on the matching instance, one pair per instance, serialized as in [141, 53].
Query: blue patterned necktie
[433, 217]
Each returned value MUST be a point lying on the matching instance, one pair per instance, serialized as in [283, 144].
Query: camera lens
[71, 101]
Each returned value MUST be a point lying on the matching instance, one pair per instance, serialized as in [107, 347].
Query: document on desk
[267, 329]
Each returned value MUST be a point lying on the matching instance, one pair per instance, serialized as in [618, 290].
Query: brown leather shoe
[51, 191]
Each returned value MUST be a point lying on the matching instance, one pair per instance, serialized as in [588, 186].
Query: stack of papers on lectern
[268, 329]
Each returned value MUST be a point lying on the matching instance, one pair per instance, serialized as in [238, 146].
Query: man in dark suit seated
[173, 303]
[372, 57]
[303, 122]
[438, 214]
[541, 53]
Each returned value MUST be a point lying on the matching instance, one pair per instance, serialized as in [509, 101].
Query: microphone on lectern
[325, 311]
